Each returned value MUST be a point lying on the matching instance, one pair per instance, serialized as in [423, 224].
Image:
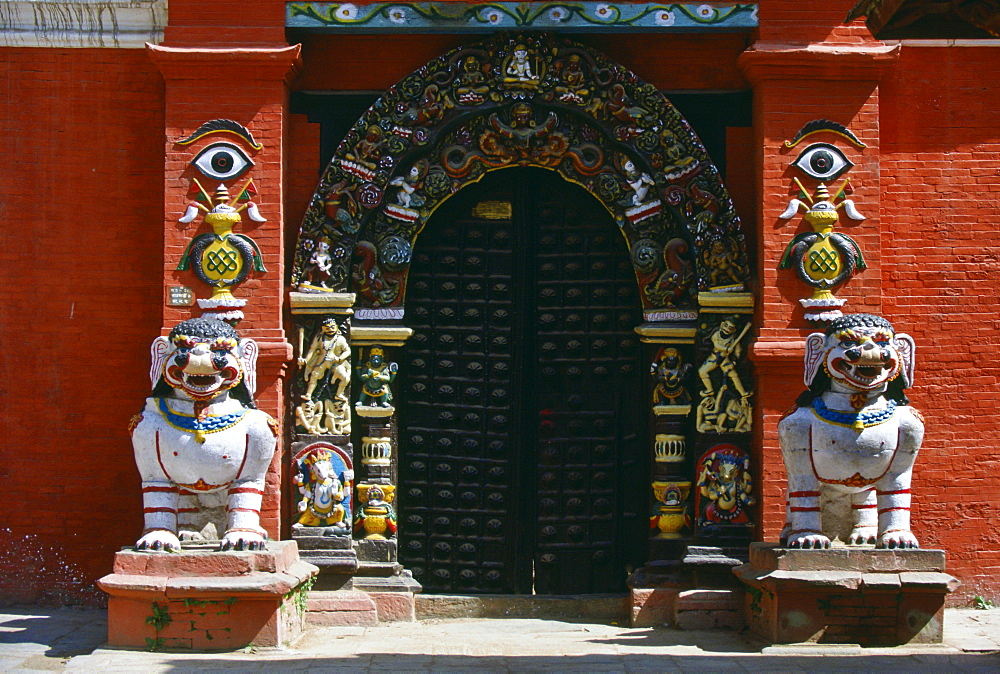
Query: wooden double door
[521, 402]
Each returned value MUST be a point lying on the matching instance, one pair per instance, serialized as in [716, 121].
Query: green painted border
[462, 17]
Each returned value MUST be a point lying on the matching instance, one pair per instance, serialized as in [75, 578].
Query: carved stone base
[204, 600]
[845, 595]
[688, 587]
[334, 555]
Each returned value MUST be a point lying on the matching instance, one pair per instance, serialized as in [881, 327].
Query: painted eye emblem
[222, 161]
[822, 161]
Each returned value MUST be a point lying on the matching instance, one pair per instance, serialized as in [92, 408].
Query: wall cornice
[122, 24]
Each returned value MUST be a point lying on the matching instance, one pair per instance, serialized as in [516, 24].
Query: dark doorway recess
[522, 423]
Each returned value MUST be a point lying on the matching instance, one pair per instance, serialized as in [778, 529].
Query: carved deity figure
[639, 182]
[201, 448]
[726, 348]
[320, 263]
[324, 493]
[724, 483]
[376, 375]
[329, 353]
[669, 371]
[519, 67]
[850, 442]
[376, 516]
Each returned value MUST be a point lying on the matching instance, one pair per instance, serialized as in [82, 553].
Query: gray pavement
[71, 640]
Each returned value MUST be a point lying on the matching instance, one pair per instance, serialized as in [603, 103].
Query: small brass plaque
[493, 210]
[180, 296]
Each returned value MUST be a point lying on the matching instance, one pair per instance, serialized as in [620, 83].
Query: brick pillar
[248, 86]
[794, 85]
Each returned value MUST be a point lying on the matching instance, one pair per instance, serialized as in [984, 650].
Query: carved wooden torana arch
[521, 100]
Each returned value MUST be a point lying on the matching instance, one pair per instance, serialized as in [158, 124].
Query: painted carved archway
[529, 100]
[526, 101]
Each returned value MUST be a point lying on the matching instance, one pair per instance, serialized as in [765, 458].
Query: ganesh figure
[201, 448]
[326, 494]
[850, 442]
[725, 488]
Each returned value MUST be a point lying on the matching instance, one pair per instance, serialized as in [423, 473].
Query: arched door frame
[553, 104]
[544, 101]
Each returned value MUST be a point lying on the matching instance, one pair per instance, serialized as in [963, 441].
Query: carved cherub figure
[850, 444]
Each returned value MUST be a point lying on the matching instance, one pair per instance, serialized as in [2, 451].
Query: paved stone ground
[70, 640]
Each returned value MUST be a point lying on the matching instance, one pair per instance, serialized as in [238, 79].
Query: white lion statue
[850, 444]
[201, 447]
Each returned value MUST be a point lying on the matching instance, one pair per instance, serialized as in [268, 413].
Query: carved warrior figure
[376, 376]
[850, 444]
[328, 354]
[201, 447]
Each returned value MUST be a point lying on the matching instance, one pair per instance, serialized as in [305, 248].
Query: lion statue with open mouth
[850, 444]
[201, 447]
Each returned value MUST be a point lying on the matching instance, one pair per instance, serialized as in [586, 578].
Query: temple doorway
[522, 423]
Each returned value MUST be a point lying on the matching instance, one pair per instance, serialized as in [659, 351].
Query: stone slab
[278, 556]
[339, 608]
[395, 606]
[864, 559]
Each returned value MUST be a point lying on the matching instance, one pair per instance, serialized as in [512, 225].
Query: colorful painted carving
[521, 100]
[325, 489]
[375, 376]
[493, 16]
[724, 488]
[325, 368]
[850, 443]
[222, 259]
[376, 516]
[725, 401]
[670, 372]
[669, 448]
[201, 447]
[671, 517]
[823, 259]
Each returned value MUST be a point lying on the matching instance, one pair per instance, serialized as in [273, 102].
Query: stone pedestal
[845, 595]
[201, 599]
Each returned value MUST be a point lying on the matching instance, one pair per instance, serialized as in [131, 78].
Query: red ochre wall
[82, 194]
[81, 244]
[940, 123]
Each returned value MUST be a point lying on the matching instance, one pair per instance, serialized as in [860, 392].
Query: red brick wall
[82, 188]
[81, 245]
[940, 120]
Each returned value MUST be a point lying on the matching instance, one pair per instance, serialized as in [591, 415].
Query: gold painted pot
[375, 523]
[672, 521]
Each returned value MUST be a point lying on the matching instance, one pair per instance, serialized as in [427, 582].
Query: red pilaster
[249, 86]
[793, 85]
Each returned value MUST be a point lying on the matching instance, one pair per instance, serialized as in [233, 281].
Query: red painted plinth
[205, 600]
[845, 595]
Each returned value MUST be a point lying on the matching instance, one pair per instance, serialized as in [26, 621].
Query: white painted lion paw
[898, 540]
[159, 540]
[243, 539]
[808, 541]
[862, 536]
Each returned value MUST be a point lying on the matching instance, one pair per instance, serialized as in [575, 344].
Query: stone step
[340, 608]
[590, 608]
